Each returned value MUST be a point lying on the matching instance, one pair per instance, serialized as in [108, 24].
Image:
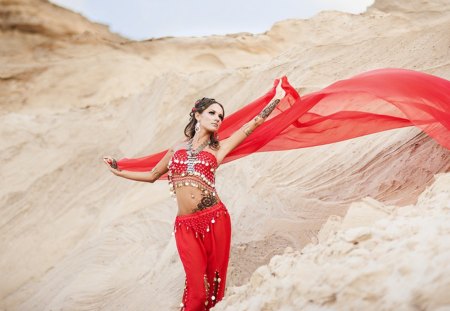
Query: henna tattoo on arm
[268, 109]
[156, 173]
[248, 128]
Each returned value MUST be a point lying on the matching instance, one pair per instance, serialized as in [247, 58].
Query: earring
[197, 127]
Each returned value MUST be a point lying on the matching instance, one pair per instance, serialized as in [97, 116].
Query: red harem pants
[203, 242]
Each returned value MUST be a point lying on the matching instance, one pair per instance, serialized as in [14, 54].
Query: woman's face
[211, 118]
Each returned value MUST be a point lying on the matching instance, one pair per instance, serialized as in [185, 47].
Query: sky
[145, 19]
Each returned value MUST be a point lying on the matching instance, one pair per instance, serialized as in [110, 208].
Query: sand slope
[378, 258]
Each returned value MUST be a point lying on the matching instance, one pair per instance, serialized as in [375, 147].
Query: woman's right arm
[152, 176]
[228, 144]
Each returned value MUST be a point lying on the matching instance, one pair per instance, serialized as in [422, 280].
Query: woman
[202, 226]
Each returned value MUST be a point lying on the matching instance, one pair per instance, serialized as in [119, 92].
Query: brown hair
[200, 106]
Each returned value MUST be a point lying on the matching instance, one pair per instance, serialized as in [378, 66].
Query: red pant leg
[218, 253]
[193, 256]
[203, 242]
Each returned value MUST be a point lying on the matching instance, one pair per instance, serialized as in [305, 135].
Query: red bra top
[198, 172]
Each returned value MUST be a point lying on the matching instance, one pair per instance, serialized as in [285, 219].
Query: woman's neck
[199, 138]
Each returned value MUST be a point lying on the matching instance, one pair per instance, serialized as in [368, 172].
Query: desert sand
[358, 225]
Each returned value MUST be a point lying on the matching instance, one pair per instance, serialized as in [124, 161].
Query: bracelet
[245, 128]
[114, 164]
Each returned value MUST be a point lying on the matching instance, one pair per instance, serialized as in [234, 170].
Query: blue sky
[144, 19]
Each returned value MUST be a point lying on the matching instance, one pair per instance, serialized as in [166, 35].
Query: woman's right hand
[112, 164]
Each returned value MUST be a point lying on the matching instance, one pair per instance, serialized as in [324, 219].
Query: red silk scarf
[367, 103]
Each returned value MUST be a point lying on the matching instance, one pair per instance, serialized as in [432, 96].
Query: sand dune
[75, 237]
[383, 264]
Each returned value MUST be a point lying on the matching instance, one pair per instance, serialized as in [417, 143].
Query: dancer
[202, 226]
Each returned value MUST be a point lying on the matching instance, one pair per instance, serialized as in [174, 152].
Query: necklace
[192, 154]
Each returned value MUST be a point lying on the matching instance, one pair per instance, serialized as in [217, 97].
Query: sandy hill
[74, 237]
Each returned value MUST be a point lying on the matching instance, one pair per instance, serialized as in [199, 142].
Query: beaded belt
[200, 222]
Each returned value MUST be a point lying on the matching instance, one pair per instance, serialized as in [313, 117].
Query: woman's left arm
[237, 137]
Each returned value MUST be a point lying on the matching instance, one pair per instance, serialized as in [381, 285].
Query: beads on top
[202, 176]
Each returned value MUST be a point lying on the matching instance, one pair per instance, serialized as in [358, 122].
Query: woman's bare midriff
[188, 198]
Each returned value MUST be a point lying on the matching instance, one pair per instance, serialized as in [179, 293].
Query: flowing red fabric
[367, 103]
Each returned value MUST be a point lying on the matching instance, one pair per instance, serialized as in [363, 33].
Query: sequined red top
[201, 175]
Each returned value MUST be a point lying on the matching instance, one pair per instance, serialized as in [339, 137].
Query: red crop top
[198, 172]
